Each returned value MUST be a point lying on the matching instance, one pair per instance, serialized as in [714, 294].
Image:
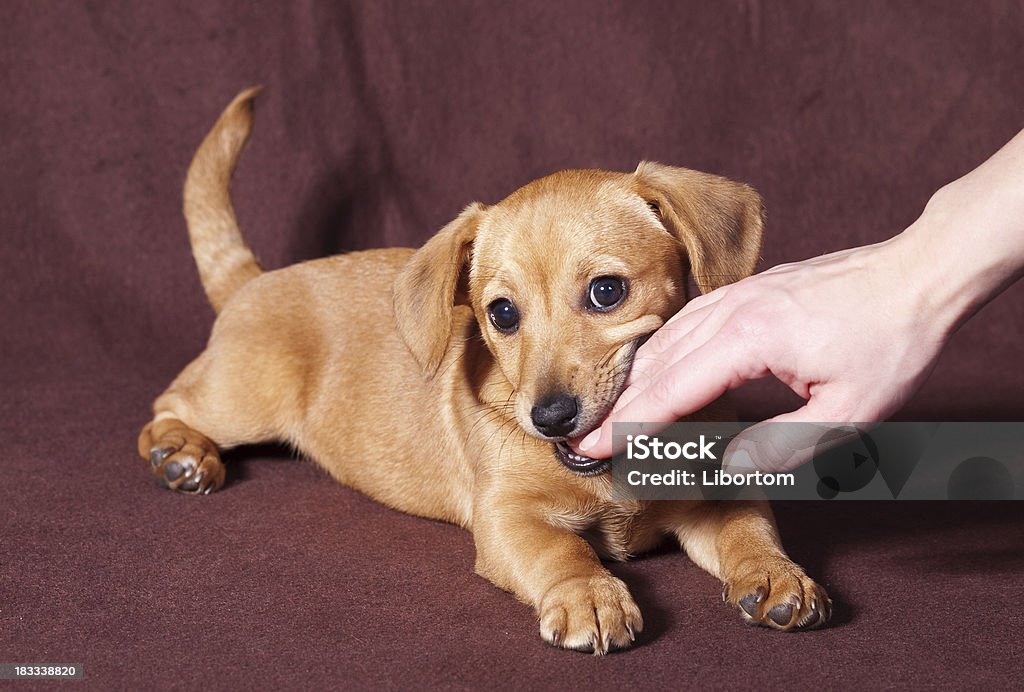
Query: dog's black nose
[555, 415]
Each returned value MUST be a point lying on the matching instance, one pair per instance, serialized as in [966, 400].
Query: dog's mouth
[577, 463]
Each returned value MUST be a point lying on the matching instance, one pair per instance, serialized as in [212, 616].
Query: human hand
[854, 333]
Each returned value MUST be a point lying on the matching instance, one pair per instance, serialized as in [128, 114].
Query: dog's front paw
[590, 614]
[186, 461]
[778, 594]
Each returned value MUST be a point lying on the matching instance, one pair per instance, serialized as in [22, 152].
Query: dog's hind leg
[208, 408]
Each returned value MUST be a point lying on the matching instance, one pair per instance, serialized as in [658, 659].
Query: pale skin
[854, 333]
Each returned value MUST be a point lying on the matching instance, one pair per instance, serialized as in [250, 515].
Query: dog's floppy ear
[424, 293]
[718, 220]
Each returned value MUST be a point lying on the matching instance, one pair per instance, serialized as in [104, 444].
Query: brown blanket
[380, 121]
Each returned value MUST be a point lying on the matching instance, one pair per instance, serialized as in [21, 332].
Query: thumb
[786, 441]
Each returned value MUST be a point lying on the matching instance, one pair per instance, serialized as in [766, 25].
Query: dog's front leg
[580, 604]
[738, 543]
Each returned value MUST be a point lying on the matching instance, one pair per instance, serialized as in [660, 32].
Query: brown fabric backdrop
[380, 121]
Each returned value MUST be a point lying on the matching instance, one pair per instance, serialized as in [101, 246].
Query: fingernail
[738, 461]
[590, 440]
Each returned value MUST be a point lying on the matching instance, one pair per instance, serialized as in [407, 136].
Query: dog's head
[568, 275]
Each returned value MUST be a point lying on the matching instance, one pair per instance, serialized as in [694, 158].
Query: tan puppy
[444, 381]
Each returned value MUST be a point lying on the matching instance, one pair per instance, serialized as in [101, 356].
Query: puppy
[445, 381]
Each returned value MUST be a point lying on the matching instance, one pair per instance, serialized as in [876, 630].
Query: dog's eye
[504, 315]
[606, 292]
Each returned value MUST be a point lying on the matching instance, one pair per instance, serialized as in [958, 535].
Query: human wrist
[938, 291]
[968, 245]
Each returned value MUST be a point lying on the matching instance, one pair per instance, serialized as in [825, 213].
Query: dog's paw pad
[781, 614]
[174, 469]
[594, 614]
[779, 595]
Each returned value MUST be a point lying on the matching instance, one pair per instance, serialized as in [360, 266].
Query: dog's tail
[225, 262]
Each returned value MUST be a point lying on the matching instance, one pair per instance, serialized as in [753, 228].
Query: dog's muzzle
[557, 413]
[579, 464]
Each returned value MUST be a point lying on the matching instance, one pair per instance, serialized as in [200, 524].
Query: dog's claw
[157, 455]
[749, 605]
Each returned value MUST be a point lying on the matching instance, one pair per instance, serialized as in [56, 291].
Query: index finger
[686, 386]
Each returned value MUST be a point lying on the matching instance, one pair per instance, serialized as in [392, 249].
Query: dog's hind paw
[590, 614]
[186, 461]
[779, 595]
